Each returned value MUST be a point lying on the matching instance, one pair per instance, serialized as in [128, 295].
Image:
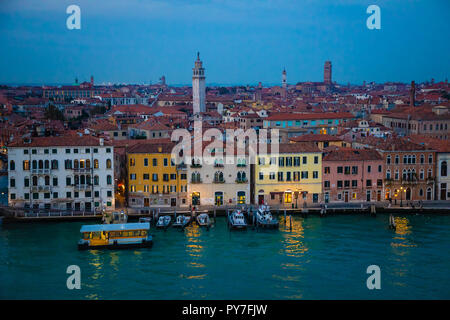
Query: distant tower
[412, 94]
[327, 72]
[92, 80]
[163, 80]
[198, 86]
[283, 79]
[258, 92]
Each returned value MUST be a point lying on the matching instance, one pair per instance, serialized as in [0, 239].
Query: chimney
[412, 94]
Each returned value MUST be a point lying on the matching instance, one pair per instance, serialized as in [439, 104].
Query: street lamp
[401, 196]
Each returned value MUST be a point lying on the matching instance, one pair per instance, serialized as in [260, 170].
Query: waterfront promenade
[438, 207]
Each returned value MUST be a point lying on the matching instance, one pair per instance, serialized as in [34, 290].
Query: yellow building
[291, 177]
[153, 178]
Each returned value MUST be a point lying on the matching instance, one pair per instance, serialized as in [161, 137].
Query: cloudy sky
[240, 41]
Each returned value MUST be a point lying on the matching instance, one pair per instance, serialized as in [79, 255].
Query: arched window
[75, 164]
[81, 164]
[422, 159]
[430, 158]
[47, 180]
[35, 181]
[195, 176]
[397, 174]
[12, 165]
[46, 164]
[388, 174]
[404, 174]
[34, 164]
[429, 173]
[388, 159]
[108, 163]
[108, 179]
[218, 176]
[421, 174]
[41, 164]
[88, 164]
[421, 192]
[429, 194]
[95, 163]
[443, 168]
[54, 164]
[77, 180]
[397, 159]
[88, 180]
[82, 179]
[96, 180]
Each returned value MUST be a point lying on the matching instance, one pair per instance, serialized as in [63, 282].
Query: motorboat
[163, 222]
[203, 220]
[182, 221]
[264, 218]
[236, 220]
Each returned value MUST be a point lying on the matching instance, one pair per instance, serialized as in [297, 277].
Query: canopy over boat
[115, 227]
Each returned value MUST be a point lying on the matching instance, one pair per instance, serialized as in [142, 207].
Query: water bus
[264, 218]
[115, 236]
[236, 220]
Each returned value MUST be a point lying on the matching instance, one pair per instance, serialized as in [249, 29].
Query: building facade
[291, 177]
[61, 173]
[153, 178]
[352, 175]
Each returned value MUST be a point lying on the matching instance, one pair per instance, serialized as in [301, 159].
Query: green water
[321, 258]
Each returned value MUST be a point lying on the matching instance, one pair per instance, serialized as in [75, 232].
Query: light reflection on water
[320, 258]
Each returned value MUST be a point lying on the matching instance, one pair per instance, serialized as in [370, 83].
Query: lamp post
[401, 196]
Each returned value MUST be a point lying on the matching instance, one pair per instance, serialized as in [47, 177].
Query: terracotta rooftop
[60, 141]
[315, 138]
[348, 154]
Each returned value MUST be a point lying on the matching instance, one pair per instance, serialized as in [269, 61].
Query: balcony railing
[196, 165]
[196, 181]
[219, 180]
[82, 170]
[40, 171]
[41, 188]
[241, 180]
[83, 187]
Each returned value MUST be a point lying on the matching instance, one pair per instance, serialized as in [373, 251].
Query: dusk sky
[240, 41]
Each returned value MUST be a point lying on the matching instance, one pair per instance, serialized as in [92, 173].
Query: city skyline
[240, 43]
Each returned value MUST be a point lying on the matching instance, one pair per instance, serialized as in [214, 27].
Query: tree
[53, 113]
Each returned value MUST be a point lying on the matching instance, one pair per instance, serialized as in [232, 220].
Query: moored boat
[203, 220]
[182, 221]
[148, 220]
[163, 222]
[236, 220]
[264, 218]
[115, 236]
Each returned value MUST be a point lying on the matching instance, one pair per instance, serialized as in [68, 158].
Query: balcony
[40, 171]
[82, 170]
[218, 165]
[79, 187]
[241, 180]
[196, 165]
[219, 181]
[196, 181]
[181, 166]
[41, 188]
[241, 165]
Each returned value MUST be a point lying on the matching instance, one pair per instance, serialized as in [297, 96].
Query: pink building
[352, 175]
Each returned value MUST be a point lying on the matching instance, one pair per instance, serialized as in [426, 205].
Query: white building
[198, 87]
[61, 173]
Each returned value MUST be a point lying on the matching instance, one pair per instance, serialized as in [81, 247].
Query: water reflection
[293, 239]
[402, 233]
[97, 264]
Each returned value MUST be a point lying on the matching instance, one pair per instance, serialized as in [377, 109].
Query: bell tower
[198, 86]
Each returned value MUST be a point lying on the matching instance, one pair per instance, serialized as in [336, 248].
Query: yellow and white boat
[115, 236]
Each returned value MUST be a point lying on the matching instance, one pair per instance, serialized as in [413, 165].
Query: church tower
[284, 79]
[198, 86]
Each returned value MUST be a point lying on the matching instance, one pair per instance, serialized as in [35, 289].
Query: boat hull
[143, 244]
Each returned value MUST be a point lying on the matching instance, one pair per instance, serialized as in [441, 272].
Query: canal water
[321, 258]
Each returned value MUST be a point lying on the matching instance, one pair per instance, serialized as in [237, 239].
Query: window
[388, 174]
[146, 176]
[108, 179]
[327, 170]
[55, 181]
[369, 169]
[154, 177]
[368, 183]
[12, 183]
[12, 165]
[340, 170]
[315, 174]
[67, 151]
[108, 163]
[280, 176]
[26, 182]
[304, 160]
[380, 168]
[354, 183]
[326, 184]
[132, 176]
[316, 159]
[388, 159]
[145, 162]
[132, 162]
[108, 150]
[281, 161]
[339, 184]
[443, 168]
[155, 162]
[430, 159]
[166, 162]
[304, 174]
[26, 165]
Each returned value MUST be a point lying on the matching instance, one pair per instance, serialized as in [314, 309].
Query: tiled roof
[315, 138]
[348, 154]
[60, 141]
[310, 116]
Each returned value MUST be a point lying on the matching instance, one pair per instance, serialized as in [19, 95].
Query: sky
[240, 41]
